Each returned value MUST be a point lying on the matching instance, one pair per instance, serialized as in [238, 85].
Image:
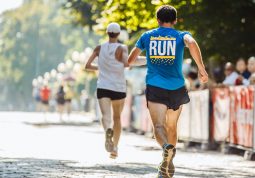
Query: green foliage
[35, 38]
[84, 11]
[223, 28]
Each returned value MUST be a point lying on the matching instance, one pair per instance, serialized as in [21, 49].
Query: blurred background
[49, 115]
[49, 41]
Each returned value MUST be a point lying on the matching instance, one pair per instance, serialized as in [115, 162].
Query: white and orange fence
[216, 115]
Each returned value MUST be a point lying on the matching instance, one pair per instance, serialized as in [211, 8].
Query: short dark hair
[166, 14]
[113, 35]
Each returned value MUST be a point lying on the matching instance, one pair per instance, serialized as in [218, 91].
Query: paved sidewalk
[30, 148]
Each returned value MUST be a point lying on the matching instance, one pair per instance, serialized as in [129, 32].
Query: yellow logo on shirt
[162, 50]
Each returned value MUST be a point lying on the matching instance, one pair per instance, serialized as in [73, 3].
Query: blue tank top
[164, 52]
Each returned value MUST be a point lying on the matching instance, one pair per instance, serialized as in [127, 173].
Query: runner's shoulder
[182, 33]
[97, 47]
[149, 32]
[121, 48]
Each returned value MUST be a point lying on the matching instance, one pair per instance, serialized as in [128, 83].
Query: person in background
[60, 101]
[45, 96]
[231, 75]
[244, 74]
[36, 95]
[68, 99]
[84, 100]
[252, 79]
[193, 79]
[241, 68]
[251, 67]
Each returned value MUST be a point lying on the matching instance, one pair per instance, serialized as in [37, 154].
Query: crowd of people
[243, 73]
[60, 99]
[231, 74]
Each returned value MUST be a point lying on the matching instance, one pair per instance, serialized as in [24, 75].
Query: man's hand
[202, 75]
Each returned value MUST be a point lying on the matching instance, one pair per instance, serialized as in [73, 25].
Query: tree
[35, 38]
[85, 12]
[223, 28]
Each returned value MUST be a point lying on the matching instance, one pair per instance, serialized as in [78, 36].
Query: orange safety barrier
[241, 115]
[233, 115]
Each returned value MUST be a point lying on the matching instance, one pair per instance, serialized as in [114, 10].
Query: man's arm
[93, 56]
[134, 58]
[122, 56]
[196, 55]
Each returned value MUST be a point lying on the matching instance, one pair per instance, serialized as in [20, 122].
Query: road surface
[32, 147]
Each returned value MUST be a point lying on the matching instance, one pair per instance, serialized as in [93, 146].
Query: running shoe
[166, 168]
[162, 175]
[114, 153]
[108, 140]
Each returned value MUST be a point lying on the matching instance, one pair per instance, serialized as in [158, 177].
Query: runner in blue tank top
[165, 90]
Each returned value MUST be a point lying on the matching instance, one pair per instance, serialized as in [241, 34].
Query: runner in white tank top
[111, 70]
[111, 85]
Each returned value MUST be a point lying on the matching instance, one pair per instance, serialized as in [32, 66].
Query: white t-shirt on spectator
[231, 79]
[246, 82]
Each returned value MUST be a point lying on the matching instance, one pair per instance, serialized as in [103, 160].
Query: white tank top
[111, 71]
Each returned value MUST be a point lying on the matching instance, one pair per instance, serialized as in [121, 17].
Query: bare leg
[61, 110]
[68, 108]
[45, 110]
[171, 125]
[158, 117]
[105, 107]
[117, 106]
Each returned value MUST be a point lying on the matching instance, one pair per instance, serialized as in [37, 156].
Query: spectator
[193, 80]
[252, 79]
[36, 95]
[243, 73]
[61, 101]
[84, 100]
[241, 68]
[251, 67]
[45, 96]
[218, 74]
[68, 99]
[251, 64]
[230, 74]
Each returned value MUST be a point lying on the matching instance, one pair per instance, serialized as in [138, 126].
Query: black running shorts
[173, 99]
[46, 102]
[113, 95]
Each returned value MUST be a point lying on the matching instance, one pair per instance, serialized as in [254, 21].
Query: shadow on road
[212, 172]
[30, 167]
